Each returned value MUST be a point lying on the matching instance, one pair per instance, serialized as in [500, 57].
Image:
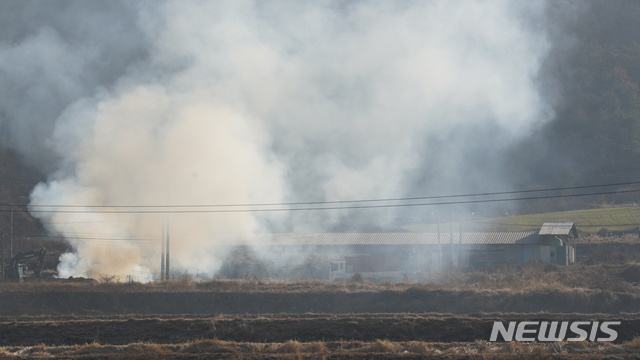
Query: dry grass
[542, 276]
[289, 347]
[207, 347]
[316, 347]
[342, 349]
[382, 346]
[605, 239]
[514, 277]
[534, 287]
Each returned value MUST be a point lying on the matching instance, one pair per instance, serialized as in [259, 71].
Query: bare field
[280, 328]
[289, 320]
[411, 300]
[518, 289]
[288, 337]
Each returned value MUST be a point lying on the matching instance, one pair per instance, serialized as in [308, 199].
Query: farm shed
[398, 255]
[560, 238]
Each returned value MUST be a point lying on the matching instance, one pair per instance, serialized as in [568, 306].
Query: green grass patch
[592, 220]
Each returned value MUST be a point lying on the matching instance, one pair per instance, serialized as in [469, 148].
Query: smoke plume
[174, 103]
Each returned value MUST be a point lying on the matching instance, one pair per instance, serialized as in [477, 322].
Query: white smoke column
[243, 101]
[153, 148]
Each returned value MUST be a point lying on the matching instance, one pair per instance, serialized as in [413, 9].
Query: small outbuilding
[560, 238]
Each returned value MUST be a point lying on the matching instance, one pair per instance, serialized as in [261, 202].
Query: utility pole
[163, 256]
[440, 247]
[2, 255]
[460, 244]
[168, 232]
[11, 236]
[451, 241]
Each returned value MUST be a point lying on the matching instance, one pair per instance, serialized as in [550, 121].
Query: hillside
[16, 182]
[590, 220]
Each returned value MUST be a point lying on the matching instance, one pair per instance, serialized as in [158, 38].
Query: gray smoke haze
[190, 102]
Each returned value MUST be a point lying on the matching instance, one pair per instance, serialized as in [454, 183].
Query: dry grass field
[388, 336]
[292, 349]
[533, 288]
[249, 319]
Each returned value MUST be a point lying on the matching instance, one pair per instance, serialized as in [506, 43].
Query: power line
[433, 197]
[190, 208]
[107, 238]
[190, 211]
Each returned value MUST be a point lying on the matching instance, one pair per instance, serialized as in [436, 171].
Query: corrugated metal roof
[567, 228]
[338, 239]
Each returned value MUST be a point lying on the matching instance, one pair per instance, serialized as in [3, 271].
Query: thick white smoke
[259, 102]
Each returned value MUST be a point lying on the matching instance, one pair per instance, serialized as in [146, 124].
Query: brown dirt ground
[274, 329]
[410, 300]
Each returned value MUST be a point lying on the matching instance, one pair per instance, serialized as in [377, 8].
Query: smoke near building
[139, 112]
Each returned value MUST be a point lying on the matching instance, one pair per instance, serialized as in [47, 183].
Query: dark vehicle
[32, 260]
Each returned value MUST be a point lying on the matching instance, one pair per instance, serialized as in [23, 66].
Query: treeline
[590, 78]
[16, 183]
